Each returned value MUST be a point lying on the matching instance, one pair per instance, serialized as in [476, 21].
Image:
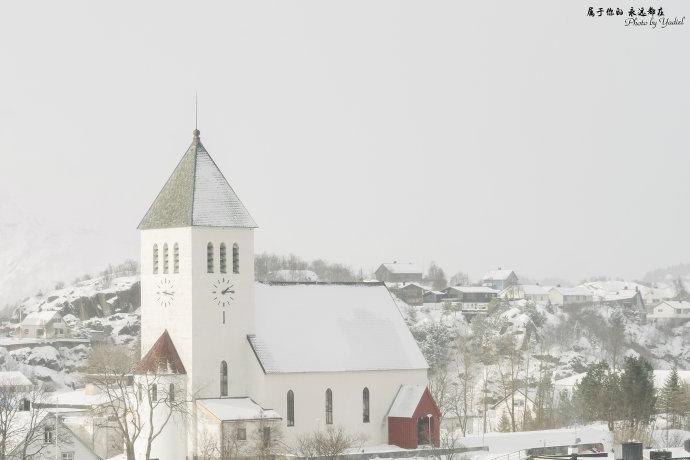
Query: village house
[398, 272]
[470, 298]
[630, 299]
[671, 311]
[499, 279]
[45, 324]
[570, 296]
[434, 296]
[412, 293]
[531, 292]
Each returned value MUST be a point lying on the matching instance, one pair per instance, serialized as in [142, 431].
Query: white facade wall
[171, 444]
[67, 442]
[310, 400]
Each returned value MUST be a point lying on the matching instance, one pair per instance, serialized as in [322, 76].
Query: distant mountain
[35, 255]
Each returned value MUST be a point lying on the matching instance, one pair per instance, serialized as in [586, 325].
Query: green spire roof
[197, 194]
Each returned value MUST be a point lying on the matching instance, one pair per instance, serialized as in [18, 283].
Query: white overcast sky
[476, 134]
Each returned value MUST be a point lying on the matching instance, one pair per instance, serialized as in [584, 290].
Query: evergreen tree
[637, 391]
[670, 400]
[598, 395]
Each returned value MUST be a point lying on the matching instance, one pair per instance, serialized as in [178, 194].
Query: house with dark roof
[399, 272]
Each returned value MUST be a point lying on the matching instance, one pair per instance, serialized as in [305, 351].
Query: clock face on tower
[223, 292]
[165, 292]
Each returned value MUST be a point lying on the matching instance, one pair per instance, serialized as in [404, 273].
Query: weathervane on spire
[196, 116]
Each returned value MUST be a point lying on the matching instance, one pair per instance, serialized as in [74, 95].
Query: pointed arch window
[329, 407]
[155, 259]
[209, 258]
[176, 258]
[154, 392]
[165, 258]
[223, 259]
[290, 408]
[235, 258]
[139, 391]
[223, 378]
[365, 405]
[171, 393]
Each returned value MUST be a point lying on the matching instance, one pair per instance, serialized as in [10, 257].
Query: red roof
[162, 358]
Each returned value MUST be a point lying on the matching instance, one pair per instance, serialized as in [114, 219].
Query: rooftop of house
[237, 409]
[41, 318]
[161, 358]
[402, 268]
[327, 327]
[406, 401]
[498, 275]
[571, 291]
[197, 194]
[472, 289]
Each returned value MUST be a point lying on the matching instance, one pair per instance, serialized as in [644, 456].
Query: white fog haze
[475, 135]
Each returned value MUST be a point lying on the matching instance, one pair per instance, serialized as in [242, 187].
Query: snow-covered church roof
[319, 327]
[197, 194]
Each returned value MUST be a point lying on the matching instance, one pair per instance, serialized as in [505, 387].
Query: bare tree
[331, 442]
[463, 397]
[508, 368]
[111, 368]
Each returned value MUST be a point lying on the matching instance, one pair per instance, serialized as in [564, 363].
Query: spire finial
[196, 117]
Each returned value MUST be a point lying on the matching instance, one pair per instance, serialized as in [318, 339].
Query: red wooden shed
[414, 418]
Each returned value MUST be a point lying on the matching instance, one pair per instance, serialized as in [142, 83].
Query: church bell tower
[197, 275]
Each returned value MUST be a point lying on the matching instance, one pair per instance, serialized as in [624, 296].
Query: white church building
[288, 357]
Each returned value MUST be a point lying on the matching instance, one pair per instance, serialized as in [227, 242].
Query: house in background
[569, 296]
[46, 324]
[672, 311]
[629, 299]
[399, 272]
[412, 293]
[434, 296]
[470, 298]
[499, 279]
[531, 292]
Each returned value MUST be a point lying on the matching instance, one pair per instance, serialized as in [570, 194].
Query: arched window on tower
[329, 407]
[155, 259]
[365, 405]
[165, 258]
[171, 393]
[290, 408]
[154, 392]
[209, 258]
[235, 258]
[223, 259]
[223, 378]
[176, 258]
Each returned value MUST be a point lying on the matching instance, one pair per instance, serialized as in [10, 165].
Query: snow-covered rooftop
[81, 398]
[569, 291]
[534, 289]
[402, 268]
[406, 401]
[331, 328]
[41, 318]
[237, 409]
[473, 289]
[500, 274]
[197, 193]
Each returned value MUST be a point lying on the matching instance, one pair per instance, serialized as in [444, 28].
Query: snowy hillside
[36, 255]
[103, 307]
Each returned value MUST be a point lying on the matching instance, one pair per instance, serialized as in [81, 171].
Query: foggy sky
[476, 134]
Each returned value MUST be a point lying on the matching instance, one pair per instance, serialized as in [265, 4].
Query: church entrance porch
[414, 418]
